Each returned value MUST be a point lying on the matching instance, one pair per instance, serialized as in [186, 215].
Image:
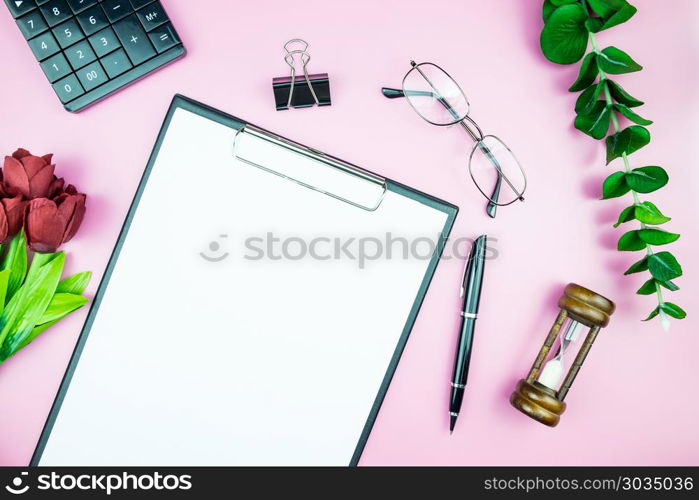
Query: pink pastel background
[633, 402]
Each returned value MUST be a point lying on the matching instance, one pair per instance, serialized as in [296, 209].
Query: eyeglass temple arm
[394, 93]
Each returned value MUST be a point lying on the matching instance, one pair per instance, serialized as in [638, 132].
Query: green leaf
[564, 37]
[615, 186]
[673, 310]
[547, 10]
[651, 286]
[588, 98]
[621, 96]
[615, 12]
[75, 284]
[558, 3]
[654, 236]
[38, 261]
[648, 288]
[16, 262]
[616, 62]
[663, 266]
[638, 267]
[587, 75]
[61, 305]
[594, 24]
[653, 314]
[38, 330]
[627, 141]
[28, 305]
[630, 242]
[626, 215]
[648, 213]
[647, 179]
[669, 285]
[4, 281]
[596, 122]
[634, 117]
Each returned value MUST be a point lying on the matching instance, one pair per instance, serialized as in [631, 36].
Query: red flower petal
[4, 227]
[74, 205]
[33, 164]
[44, 226]
[16, 176]
[21, 153]
[47, 158]
[14, 210]
[39, 184]
[56, 187]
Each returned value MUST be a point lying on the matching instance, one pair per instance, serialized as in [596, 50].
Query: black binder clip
[301, 91]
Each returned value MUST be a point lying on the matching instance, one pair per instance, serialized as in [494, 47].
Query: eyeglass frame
[491, 208]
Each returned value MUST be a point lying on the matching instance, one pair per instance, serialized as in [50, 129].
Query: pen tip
[451, 432]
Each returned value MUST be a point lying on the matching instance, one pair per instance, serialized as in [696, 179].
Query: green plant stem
[627, 166]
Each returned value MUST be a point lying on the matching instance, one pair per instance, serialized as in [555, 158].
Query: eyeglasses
[438, 99]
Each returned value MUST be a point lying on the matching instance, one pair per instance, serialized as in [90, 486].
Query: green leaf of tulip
[16, 262]
[564, 37]
[75, 284]
[616, 62]
[663, 266]
[647, 179]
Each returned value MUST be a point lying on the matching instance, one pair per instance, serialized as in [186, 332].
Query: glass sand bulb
[541, 395]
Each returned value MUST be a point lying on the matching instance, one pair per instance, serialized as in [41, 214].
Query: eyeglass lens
[434, 95]
[496, 172]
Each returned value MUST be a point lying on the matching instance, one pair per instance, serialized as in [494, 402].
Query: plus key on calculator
[89, 49]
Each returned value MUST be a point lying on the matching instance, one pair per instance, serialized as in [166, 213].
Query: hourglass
[541, 395]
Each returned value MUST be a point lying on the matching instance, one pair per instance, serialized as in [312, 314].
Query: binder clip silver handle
[300, 91]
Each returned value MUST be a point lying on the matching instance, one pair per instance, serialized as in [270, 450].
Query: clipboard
[187, 358]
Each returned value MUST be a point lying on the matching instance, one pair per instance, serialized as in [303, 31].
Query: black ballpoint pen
[471, 293]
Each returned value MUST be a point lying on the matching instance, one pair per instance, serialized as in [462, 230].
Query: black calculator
[89, 49]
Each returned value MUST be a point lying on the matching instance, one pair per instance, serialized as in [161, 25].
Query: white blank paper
[237, 362]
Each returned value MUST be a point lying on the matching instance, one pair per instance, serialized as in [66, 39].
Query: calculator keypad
[82, 45]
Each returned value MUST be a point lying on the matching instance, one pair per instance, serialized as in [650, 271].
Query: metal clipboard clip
[309, 168]
[300, 91]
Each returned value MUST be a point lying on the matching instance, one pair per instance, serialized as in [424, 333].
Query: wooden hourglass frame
[535, 399]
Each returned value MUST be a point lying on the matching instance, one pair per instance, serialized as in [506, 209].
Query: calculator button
[68, 89]
[68, 33]
[32, 24]
[92, 76]
[104, 42]
[134, 40]
[164, 37]
[152, 16]
[56, 67]
[116, 9]
[18, 8]
[80, 54]
[116, 63]
[92, 20]
[137, 4]
[55, 12]
[80, 5]
[44, 46]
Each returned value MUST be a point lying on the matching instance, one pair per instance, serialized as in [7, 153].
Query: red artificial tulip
[11, 216]
[30, 175]
[49, 223]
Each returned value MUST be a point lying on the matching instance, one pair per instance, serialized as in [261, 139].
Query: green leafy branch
[569, 28]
